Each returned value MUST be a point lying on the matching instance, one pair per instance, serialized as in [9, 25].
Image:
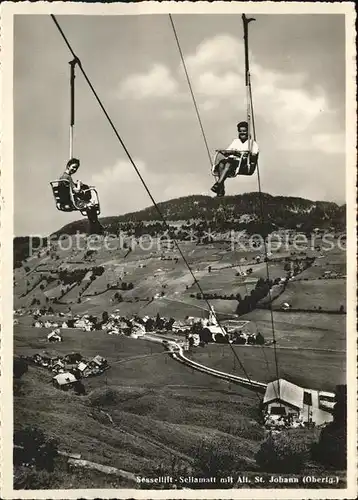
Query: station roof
[284, 391]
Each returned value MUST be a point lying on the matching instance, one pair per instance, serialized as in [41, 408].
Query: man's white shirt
[244, 146]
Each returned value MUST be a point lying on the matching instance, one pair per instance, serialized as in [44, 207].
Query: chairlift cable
[146, 188]
[246, 21]
[255, 322]
[191, 91]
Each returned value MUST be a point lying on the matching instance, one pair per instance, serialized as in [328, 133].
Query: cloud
[121, 172]
[156, 83]
[329, 143]
[120, 189]
[217, 70]
[218, 53]
[289, 109]
[218, 85]
[291, 113]
[174, 114]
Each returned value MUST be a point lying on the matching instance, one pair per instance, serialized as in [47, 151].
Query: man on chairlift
[240, 158]
[83, 196]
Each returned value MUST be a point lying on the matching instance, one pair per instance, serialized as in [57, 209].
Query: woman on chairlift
[83, 196]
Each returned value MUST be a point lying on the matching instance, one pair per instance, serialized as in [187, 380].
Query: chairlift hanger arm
[72, 64]
[246, 21]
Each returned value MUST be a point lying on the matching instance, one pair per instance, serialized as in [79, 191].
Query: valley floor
[146, 410]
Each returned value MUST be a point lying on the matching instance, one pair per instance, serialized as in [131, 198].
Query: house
[138, 329]
[80, 323]
[83, 368]
[58, 366]
[194, 339]
[64, 381]
[179, 326]
[55, 336]
[282, 398]
[191, 320]
[113, 331]
[88, 326]
[108, 326]
[73, 358]
[98, 365]
[215, 329]
[99, 360]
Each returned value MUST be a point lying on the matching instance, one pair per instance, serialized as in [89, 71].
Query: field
[302, 367]
[328, 295]
[225, 282]
[301, 330]
[160, 409]
[306, 344]
[148, 408]
[333, 260]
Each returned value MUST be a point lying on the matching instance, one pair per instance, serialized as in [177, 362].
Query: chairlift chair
[67, 201]
[238, 159]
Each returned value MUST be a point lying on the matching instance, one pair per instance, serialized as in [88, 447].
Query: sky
[297, 65]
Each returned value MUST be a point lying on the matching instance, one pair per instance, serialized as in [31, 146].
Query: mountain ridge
[285, 211]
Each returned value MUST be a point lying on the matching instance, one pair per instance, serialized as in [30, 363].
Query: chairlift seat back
[63, 197]
[68, 201]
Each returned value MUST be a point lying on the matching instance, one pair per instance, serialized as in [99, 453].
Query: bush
[79, 388]
[32, 447]
[104, 397]
[331, 450]
[286, 452]
[219, 460]
[260, 339]
[20, 367]
[29, 479]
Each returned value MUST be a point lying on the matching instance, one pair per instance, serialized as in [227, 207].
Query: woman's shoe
[215, 188]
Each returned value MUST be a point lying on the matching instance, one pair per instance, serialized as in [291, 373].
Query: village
[284, 405]
[195, 330]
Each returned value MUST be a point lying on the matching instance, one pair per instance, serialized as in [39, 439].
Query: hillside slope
[283, 211]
